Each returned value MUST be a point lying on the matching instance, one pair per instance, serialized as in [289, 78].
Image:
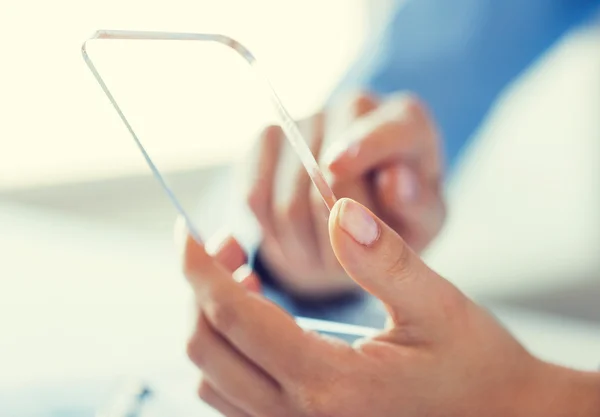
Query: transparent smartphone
[189, 100]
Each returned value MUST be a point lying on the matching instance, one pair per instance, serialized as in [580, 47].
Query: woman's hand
[440, 355]
[386, 155]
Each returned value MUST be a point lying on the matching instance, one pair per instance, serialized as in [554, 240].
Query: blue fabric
[459, 55]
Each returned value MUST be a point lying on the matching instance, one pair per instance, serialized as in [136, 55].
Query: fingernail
[242, 273]
[358, 223]
[244, 276]
[407, 184]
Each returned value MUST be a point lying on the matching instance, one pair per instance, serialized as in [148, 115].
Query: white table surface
[82, 300]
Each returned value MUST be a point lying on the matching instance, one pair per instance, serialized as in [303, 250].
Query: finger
[355, 106]
[246, 276]
[364, 104]
[260, 195]
[320, 215]
[295, 228]
[345, 111]
[417, 212]
[383, 264]
[239, 381]
[229, 253]
[401, 128]
[226, 250]
[397, 187]
[257, 328]
[358, 189]
[211, 397]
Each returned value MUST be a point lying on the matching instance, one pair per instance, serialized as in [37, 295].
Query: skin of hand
[440, 354]
[384, 154]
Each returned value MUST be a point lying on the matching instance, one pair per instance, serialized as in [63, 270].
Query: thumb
[381, 262]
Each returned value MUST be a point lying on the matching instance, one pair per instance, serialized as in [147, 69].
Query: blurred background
[89, 281]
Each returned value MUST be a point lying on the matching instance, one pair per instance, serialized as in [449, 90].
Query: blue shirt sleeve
[459, 55]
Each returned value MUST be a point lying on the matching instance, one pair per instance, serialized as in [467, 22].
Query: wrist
[306, 288]
[557, 391]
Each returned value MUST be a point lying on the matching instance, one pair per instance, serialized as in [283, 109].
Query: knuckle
[322, 398]
[418, 108]
[363, 102]
[407, 334]
[296, 209]
[256, 197]
[222, 315]
[194, 350]
[194, 266]
[320, 391]
[408, 106]
[413, 102]
[398, 263]
[206, 392]
[453, 304]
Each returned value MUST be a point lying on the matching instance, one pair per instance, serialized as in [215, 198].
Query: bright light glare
[56, 124]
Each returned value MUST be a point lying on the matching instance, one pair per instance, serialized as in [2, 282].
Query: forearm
[293, 289]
